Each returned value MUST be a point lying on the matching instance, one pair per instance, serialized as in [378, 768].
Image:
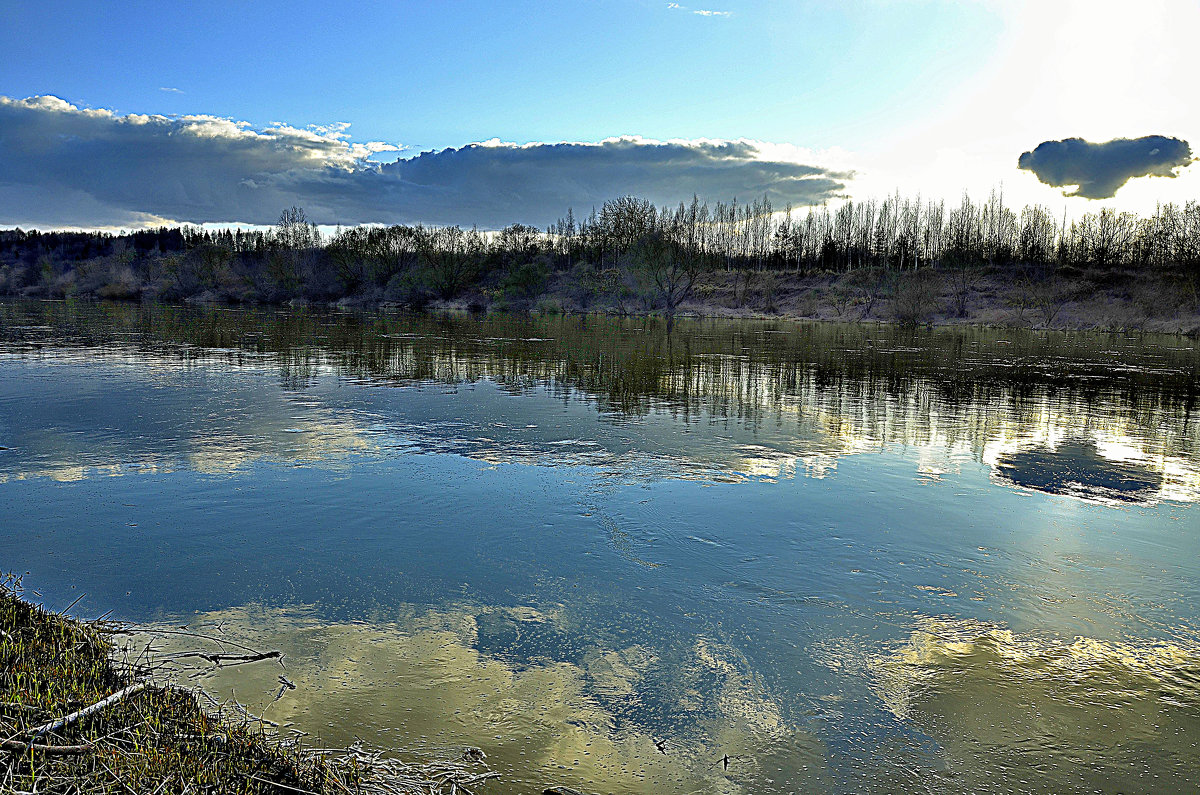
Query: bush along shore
[77, 716]
[897, 260]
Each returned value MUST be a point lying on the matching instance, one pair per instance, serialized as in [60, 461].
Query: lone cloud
[65, 166]
[1099, 170]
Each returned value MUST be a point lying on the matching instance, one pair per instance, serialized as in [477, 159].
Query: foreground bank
[79, 716]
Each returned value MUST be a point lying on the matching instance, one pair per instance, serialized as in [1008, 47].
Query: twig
[480, 777]
[68, 607]
[215, 639]
[83, 713]
[117, 778]
[277, 784]
[250, 715]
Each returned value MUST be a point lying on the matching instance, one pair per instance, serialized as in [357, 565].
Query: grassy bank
[1080, 300]
[150, 737]
[1106, 301]
[1099, 299]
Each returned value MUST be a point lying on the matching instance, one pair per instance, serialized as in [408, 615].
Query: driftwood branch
[218, 659]
[55, 725]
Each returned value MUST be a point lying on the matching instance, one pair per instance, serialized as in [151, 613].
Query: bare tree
[673, 256]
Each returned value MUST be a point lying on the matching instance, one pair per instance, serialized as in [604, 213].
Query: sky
[489, 113]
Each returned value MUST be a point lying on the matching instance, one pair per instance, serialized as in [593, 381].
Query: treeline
[628, 249]
[905, 233]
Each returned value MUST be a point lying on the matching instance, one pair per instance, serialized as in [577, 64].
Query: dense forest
[902, 259]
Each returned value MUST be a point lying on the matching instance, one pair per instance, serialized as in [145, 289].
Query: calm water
[849, 559]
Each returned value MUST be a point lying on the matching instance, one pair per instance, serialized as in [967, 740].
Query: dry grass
[1101, 301]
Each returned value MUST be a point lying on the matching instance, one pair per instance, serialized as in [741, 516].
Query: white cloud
[64, 166]
[699, 12]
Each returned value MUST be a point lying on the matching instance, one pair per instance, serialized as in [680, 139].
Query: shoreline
[1101, 302]
[1096, 302]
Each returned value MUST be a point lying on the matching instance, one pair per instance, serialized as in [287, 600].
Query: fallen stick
[18, 747]
[55, 725]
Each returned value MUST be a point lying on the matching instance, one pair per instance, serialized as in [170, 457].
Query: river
[745, 556]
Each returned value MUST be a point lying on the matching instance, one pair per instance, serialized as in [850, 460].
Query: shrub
[916, 298]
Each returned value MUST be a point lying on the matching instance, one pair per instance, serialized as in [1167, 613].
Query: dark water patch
[1075, 468]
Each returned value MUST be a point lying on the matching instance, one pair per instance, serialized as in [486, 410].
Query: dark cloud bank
[1101, 169]
[63, 166]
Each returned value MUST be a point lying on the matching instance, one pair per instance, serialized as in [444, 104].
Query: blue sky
[927, 96]
[432, 75]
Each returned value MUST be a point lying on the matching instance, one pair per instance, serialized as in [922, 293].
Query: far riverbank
[1108, 301]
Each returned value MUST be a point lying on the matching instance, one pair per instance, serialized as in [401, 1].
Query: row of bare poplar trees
[896, 232]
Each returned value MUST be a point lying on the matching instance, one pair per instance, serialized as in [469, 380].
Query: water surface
[849, 559]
